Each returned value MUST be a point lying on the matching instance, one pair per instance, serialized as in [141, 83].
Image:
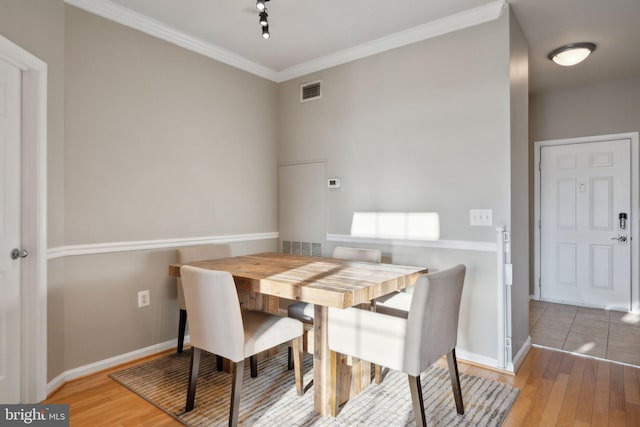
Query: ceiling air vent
[310, 91]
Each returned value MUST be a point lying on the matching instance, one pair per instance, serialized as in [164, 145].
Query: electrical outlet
[144, 298]
[480, 217]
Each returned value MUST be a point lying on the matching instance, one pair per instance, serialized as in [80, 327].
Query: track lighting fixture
[260, 5]
[263, 18]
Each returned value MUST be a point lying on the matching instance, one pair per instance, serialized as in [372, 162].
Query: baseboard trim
[477, 359]
[110, 247]
[522, 353]
[101, 365]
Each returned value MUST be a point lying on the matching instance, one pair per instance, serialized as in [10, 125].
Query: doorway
[31, 346]
[586, 242]
[10, 310]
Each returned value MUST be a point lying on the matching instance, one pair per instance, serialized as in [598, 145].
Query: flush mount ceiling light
[263, 16]
[571, 54]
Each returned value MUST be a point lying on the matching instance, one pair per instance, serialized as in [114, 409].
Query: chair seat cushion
[302, 311]
[263, 331]
[396, 304]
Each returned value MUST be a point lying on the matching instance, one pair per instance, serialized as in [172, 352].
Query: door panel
[583, 189]
[301, 205]
[10, 158]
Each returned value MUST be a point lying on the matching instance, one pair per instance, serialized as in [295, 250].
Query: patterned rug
[271, 400]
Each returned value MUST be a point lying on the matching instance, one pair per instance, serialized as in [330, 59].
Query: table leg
[321, 362]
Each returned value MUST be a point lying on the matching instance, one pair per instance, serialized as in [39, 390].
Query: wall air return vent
[301, 248]
[310, 91]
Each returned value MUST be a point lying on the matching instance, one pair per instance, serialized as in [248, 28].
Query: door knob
[621, 238]
[18, 253]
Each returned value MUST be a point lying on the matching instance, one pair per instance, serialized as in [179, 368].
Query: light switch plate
[480, 217]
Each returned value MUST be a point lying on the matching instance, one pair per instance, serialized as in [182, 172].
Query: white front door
[10, 160]
[585, 248]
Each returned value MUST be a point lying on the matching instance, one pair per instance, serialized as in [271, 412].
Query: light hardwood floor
[555, 389]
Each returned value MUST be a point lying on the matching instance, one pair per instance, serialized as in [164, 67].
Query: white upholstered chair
[410, 344]
[193, 254]
[219, 326]
[304, 311]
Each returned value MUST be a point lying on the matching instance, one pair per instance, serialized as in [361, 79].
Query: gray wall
[38, 27]
[149, 141]
[519, 103]
[421, 128]
[160, 143]
[599, 109]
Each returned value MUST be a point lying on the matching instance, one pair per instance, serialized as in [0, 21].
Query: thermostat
[333, 182]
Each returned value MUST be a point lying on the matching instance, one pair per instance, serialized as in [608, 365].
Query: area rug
[271, 400]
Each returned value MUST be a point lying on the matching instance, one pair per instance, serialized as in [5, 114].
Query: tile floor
[611, 335]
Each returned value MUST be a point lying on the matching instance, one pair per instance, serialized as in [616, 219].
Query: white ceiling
[305, 32]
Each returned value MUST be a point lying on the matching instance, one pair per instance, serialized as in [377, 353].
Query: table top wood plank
[325, 281]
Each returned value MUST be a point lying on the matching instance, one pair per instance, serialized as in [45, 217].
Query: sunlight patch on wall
[396, 225]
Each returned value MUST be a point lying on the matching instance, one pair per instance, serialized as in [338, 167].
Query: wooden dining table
[262, 279]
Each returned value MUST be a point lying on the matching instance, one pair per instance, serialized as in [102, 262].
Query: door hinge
[540, 165]
[539, 224]
[539, 283]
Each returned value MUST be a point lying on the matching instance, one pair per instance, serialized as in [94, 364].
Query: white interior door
[10, 178]
[585, 253]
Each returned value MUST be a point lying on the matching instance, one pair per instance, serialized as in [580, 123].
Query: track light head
[265, 32]
[260, 4]
[263, 18]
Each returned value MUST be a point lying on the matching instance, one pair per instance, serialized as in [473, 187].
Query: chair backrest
[357, 254]
[198, 253]
[432, 325]
[215, 320]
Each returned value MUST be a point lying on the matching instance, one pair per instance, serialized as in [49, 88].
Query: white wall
[599, 109]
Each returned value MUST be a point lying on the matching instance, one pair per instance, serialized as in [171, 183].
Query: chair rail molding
[466, 245]
[142, 245]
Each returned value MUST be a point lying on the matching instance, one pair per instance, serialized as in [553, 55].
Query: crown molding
[122, 15]
[448, 24]
[129, 18]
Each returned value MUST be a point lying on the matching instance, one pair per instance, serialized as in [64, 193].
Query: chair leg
[455, 380]
[237, 368]
[253, 363]
[297, 364]
[182, 324]
[219, 366]
[418, 403]
[193, 378]
[289, 358]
